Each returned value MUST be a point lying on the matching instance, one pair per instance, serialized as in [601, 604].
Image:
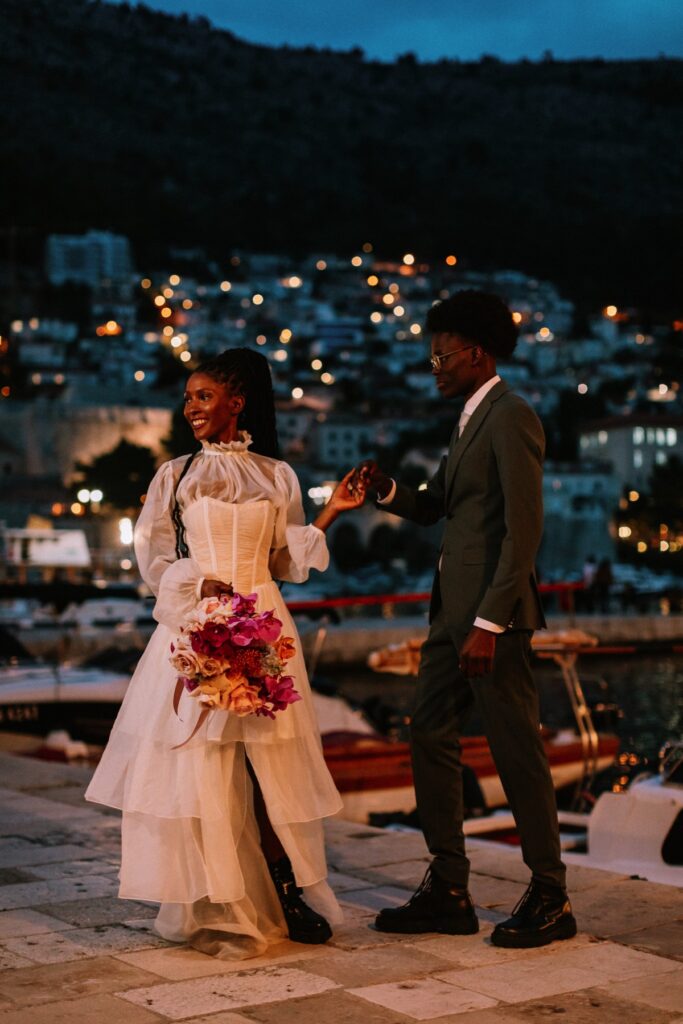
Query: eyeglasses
[437, 361]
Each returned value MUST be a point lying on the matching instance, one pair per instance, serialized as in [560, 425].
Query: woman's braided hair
[248, 373]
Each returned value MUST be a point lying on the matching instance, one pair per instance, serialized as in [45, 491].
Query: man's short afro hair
[479, 316]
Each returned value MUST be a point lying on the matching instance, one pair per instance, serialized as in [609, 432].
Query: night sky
[463, 29]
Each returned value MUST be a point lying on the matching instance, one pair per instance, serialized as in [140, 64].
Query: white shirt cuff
[388, 498]
[491, 626]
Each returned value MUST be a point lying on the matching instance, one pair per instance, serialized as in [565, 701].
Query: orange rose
[285, 648]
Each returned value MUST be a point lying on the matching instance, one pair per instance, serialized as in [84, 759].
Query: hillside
[171, 131]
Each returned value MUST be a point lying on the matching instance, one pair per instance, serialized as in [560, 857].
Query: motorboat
[374, 775]
[37, 697]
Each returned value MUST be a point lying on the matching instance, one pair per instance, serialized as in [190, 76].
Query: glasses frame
[436, 361]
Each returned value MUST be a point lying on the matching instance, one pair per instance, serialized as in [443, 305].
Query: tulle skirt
[189, 836]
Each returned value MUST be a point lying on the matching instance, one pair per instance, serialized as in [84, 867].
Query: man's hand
[216, 588]
[374, 477]
[477, 653]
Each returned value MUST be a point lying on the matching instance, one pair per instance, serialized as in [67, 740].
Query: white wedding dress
[189, 836]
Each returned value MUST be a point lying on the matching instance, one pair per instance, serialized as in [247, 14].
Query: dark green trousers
[507, 700]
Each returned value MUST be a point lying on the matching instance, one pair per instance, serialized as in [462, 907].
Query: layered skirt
[189, 836]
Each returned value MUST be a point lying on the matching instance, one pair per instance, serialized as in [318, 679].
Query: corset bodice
[231, 541]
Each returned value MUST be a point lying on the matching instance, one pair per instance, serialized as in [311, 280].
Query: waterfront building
[93, 259]
[633, 445]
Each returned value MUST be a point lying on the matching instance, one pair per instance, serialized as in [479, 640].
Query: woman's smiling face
[211, 408]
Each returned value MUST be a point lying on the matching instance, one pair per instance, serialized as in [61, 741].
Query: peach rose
[244, 700]
[186, 662]
[211, 667]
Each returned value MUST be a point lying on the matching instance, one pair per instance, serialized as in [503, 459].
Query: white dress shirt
[467, 412]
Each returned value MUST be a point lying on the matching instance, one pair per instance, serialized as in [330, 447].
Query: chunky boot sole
[418, 926]
[564, 929]
[314, 937]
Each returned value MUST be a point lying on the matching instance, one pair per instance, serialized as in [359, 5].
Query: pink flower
[243, 631]
[189, 684]
[242, 605]
[281, 692]
[268, 628]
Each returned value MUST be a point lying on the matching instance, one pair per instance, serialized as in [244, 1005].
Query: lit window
[671, 436]
[661, 436]
[637, 458]
[661, 458]
[602, 437]
[638, 435]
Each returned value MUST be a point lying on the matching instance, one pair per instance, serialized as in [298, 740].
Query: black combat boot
[435, 906]
[543, 915]
[303, 924]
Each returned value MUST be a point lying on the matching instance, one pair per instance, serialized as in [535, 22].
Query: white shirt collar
[478, 396]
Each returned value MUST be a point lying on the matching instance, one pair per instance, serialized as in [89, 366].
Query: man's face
[456, 372]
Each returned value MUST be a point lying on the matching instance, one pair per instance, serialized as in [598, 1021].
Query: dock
[71, 951]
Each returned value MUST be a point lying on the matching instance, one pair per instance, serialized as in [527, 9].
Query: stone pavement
[70, 951]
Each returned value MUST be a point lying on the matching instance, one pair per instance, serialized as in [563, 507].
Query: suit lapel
[473, 424]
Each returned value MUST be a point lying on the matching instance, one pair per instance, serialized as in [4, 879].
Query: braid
[248, 372]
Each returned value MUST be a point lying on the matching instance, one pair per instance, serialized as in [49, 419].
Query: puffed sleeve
[174, 581]
[296, 546]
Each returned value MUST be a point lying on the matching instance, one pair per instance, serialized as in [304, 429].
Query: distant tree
[382, 546]
[348, 549]
[123, 474]
[180, 439]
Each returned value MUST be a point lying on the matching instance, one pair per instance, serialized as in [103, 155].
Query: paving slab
[587, 1007]
[16, 851]
[109, 909]
[100, 1009]
[368, 966]
[462, 951]
[15, 923]
[77, 943]
[611, 909]
[335, 1007]
[19, 773]
[55, 891]
[424, 998]
[181, 963]
[33, 986]
[665, 992]
[665, 939]
[219, 992]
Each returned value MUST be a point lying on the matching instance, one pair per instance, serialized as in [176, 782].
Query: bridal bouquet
[228, 656]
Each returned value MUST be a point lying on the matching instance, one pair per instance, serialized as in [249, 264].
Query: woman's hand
[348, 494]
[216, 588]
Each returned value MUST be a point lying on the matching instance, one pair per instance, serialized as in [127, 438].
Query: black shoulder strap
[181, 548]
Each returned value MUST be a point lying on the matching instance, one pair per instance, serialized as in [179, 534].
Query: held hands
[477, 653]
[348, 494]
[374, 477]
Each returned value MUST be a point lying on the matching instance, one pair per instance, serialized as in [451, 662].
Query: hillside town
[94, 359]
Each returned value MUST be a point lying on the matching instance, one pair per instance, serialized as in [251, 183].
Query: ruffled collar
[231, 447]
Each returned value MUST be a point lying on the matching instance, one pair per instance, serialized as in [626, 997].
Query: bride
[224, 829]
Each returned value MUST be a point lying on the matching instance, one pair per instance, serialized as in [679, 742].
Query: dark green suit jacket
[489, 488]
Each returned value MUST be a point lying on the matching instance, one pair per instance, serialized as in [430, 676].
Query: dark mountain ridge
[172, 131]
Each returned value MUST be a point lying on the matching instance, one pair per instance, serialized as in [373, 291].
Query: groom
[485, 607]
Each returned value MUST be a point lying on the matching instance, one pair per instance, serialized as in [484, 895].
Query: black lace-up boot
[435, 906]
[303, 924]
[543, 915]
